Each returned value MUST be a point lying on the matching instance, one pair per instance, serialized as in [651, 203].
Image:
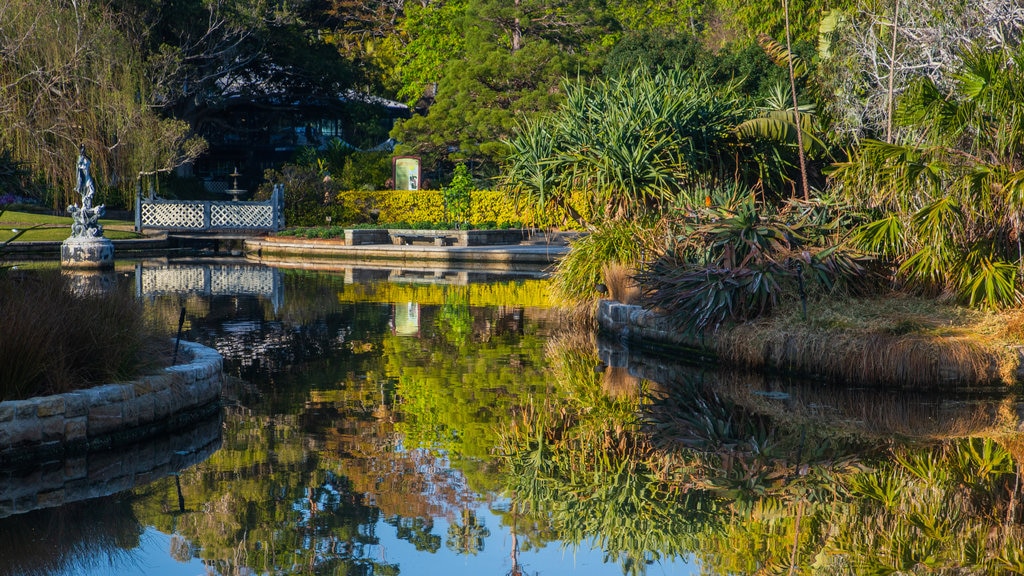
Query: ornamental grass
[58, 336]
[908, 341]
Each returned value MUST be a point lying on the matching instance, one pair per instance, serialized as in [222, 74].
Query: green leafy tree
[72, 75]
[433, 36]
[511, 66]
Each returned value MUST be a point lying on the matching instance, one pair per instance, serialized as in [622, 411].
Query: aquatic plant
[734, 262]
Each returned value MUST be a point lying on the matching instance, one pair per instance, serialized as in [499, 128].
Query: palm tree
[948, 199]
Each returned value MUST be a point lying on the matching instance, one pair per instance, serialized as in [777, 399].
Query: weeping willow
[71, 77]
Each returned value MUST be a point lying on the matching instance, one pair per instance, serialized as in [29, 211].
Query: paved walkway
[290, 249]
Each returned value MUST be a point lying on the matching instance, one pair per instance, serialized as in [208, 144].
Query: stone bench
[437, 238]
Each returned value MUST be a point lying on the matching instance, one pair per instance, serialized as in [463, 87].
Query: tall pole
[796, 107]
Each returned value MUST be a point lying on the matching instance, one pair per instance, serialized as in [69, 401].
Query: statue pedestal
[85, 252]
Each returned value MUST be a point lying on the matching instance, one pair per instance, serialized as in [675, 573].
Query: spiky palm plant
[949, 197]
[736, 262]
[632, 143]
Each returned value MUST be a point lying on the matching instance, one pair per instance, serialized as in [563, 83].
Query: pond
[381, 422]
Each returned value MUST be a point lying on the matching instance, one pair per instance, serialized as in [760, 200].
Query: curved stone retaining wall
[649, 331]
[112, 414]
[98, 474]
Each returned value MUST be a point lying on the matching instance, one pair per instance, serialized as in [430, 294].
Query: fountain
[235, 191]
[86, 247]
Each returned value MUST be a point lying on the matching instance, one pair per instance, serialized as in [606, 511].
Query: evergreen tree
[511, 67]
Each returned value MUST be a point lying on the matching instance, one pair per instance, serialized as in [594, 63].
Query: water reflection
[425, 427]
[72, 515]
[796, 477]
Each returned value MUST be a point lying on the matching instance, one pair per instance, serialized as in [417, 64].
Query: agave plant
[949, 198]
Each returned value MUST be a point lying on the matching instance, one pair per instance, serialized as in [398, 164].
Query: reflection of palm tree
[467, 537]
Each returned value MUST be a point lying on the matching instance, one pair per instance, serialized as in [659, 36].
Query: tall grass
[55, 339]
[621, 245]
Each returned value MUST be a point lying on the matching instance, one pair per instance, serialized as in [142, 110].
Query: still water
[383, 422]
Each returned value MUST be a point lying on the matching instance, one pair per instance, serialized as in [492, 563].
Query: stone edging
[649, 331]
[266, 250]
[111, 414]
[97, 474]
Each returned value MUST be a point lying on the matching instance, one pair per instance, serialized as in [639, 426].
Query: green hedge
[489, 207]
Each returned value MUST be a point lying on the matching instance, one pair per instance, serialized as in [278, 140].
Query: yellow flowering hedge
[488, 207]
[524, 293]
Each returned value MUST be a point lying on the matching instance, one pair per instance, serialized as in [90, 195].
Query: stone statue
[85, 218]
[85, 186]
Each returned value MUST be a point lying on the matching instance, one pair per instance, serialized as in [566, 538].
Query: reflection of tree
[455, 393]
[79, 536]
[748, 493]
[267, 503]
[466, 536]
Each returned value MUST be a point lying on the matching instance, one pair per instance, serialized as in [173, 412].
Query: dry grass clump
[898, 341]
[55, 340]
[621, 285]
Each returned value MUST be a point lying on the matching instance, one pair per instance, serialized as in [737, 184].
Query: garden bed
[896, 358]
[112, 414]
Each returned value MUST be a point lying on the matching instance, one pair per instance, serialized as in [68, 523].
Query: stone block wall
[102, 416]
[97, 474]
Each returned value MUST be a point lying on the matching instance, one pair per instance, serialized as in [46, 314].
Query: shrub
[411, 206]
[56, 339]
[619, 242]
[736, 262]
[458, 195]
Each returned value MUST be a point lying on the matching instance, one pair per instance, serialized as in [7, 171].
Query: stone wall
[97, 474]
[940, 361]
[112, 414]
[641, 327]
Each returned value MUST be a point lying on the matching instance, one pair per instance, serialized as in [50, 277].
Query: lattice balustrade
[242, 280]
[241, 215]
[179, 279]
[209, 280]
[189, 215]
[211, 215]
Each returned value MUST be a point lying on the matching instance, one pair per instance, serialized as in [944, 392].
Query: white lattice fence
[209, 215]
[241, 215]
[209, 280]
[173, 215]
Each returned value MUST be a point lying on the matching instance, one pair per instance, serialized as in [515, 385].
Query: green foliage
[347, 167]
[435, 38]
[774, 140]
[631, 143]
[653, 51]
[364, 171]
[736, 262]
[578, 273]
[458, 195]
[509, 67]
[948, 197]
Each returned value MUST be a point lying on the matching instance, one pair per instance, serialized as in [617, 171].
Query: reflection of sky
[495, 558]
[152, 557]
